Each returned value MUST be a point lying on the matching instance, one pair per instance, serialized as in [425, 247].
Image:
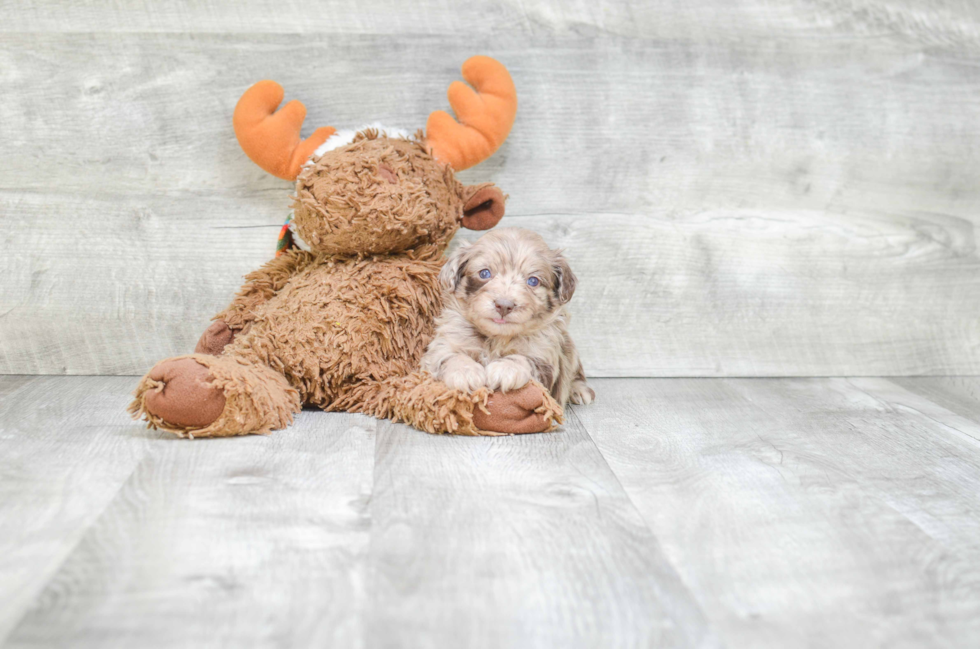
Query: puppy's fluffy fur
[500, 331]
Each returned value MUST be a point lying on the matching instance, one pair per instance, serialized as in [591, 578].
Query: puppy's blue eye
[485, 273]
[533, 281]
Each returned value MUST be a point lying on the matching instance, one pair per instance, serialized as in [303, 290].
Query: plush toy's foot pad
[214, 396]
[215, 338]
[184, 395]
[527, 410]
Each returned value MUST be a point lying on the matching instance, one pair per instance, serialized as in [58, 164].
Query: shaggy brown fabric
[345, 320]
[345, 203]
[429, 405]
[257, 399]
[262, 284]
[345, 325]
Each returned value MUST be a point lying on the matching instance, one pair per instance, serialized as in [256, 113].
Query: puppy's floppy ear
[565, 279]
[483, 206]
[454, 269]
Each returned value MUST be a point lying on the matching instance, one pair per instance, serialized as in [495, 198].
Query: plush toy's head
[376, 191]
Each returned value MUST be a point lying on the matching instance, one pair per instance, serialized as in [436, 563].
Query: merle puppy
[504, 320]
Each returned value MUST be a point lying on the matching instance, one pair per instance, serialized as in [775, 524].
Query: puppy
[504, 320]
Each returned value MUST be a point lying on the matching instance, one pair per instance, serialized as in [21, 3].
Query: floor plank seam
[66, 557]
[962, 434]
[712, 633]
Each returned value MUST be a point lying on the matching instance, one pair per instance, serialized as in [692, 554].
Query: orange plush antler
[485, 116]
[270, 137]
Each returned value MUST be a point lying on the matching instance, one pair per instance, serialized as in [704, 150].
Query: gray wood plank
[522, 541]
[673, 512]
[117, 303]
[937, 22]
[252, 541]
[959, 394]
[678, 126]
[820, 512]
[725, 293]
[799, 205]
[66, 447]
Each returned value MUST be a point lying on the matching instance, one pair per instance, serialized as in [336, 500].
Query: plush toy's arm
[261, 285]
[430, 405]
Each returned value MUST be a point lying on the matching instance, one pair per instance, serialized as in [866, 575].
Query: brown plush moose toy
[341, 316]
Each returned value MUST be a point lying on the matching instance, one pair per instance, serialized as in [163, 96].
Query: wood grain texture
[802, 203]
[959, 394]
[321, 535]
[253, 541]
[515, 542]
[937, 22]
[672, 512]
[66, 448]
[818, 512]
[718, 293]
[606, 123]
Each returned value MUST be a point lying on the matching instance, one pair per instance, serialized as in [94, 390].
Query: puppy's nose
[504, 306]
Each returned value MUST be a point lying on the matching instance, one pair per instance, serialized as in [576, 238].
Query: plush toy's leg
[530, 409]
[214, 396]
[430, 405]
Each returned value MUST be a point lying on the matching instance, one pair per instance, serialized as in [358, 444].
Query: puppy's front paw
[581, 393]
[468, 377]
[507, 375]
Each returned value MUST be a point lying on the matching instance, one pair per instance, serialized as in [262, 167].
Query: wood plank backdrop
[744, 189]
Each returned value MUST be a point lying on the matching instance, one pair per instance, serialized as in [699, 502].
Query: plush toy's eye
[485, 273]
[533, 281]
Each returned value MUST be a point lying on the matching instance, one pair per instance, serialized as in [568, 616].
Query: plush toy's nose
[386, 172]
[504, 306]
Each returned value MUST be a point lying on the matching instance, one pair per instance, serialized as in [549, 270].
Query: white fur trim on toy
[298, 240]
[346, 136]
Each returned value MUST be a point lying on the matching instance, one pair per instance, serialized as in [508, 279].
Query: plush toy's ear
[452, 273]
[565, 279]
[483, 206]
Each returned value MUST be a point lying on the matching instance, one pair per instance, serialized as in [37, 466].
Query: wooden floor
[824, 512]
